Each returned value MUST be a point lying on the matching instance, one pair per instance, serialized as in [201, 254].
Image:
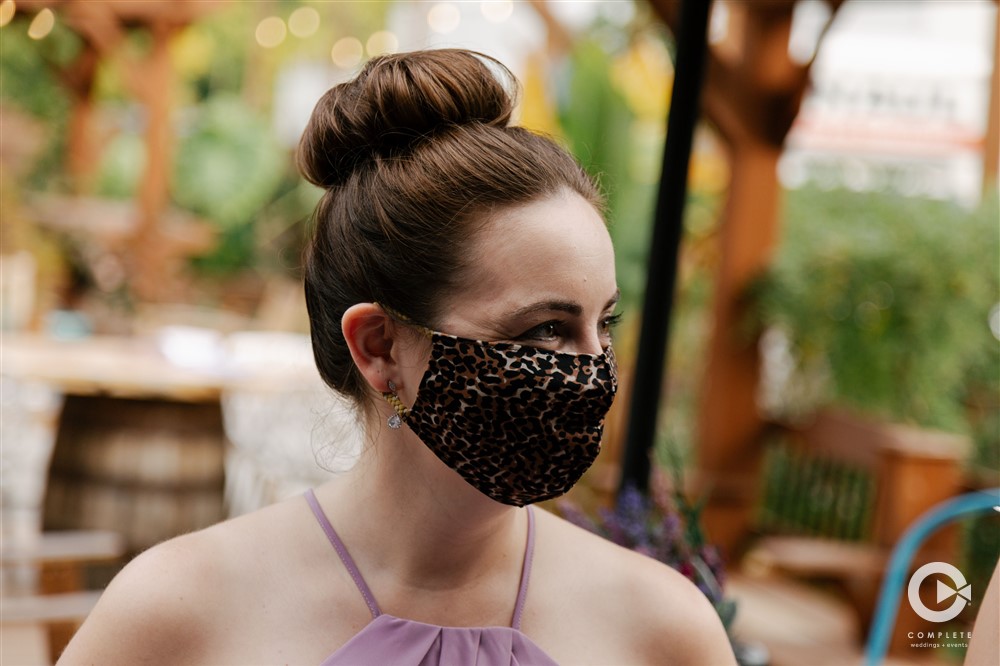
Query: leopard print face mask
[520, 424]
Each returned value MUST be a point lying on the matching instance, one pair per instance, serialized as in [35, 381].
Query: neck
[402, 511]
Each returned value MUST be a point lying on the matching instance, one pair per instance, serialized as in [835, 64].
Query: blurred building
[899, 100]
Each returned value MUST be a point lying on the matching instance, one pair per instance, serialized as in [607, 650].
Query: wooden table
[119, 367]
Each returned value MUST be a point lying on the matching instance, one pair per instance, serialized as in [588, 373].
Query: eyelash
[611, 321]
[607, 325]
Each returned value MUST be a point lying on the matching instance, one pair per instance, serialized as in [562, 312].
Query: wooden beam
[82, 146]
[151, 279]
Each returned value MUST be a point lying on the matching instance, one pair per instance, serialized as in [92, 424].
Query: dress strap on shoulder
[529, 553]
[345, 557]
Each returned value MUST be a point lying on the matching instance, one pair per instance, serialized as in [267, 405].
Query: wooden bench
[62, 602]
[76, 546]
[840, 491]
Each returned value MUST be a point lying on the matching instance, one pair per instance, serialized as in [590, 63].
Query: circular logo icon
[960, 590]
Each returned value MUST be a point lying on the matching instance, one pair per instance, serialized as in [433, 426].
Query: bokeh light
[347, 52]
[303, 22]
[42, 24]
[271, 32]
[6, 12]
[497, 11]
[444, 17]
[381, 42]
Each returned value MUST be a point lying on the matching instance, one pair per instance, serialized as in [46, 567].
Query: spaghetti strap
[366, 593]
[345, 557]
[522, 590]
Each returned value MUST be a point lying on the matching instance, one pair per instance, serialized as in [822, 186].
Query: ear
[370, 336]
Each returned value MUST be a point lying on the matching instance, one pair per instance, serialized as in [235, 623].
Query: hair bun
[398, 100]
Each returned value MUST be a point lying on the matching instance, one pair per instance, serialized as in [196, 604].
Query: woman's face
[542, 274]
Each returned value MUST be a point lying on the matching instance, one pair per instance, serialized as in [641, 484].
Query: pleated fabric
[392, 640]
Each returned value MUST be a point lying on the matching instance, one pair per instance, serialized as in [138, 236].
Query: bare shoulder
[656, 611]
[171, 603]
[152, 612]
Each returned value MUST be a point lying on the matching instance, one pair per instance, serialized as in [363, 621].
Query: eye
[544, 332]
[609, 323]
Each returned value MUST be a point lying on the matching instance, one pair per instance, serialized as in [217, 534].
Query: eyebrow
[568, 307]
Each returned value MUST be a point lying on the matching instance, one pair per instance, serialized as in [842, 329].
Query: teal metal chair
[903, 553]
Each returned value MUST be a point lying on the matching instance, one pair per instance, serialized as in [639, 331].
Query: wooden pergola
[103, 26]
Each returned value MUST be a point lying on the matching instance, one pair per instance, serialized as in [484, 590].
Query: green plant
[886, 301]
[230, 166]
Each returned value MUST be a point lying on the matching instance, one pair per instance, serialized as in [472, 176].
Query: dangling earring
[396, 420]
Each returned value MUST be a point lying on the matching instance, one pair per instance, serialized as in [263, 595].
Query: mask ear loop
[401, 412]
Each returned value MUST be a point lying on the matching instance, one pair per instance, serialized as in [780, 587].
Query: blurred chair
[287, 429]
[838, 494]
[29, 414]
[42, 590]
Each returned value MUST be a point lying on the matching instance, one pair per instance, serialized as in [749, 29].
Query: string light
[303, 22]
[42, 24]
[381, 42]
[271, 32]
[7, 8]
[347, 52]
[497, 11]
[444, 17]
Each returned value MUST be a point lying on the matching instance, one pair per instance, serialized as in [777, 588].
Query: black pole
[661, 275]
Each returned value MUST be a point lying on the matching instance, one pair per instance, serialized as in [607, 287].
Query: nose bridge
[590, 342]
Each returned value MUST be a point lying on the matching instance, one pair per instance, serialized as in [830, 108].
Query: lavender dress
[392, 640]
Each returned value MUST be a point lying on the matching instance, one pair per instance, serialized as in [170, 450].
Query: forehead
[556, 248]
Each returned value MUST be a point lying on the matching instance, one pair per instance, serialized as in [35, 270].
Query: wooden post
[81, 150]
[151, 278]
[729, 425]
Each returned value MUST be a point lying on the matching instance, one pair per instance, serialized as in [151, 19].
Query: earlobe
[368, 331]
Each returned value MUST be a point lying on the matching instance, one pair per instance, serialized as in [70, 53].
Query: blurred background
[833, 368]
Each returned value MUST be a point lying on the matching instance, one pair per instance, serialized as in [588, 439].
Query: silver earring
[396, 420]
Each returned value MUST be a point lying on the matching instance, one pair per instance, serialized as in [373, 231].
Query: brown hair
[415, 155]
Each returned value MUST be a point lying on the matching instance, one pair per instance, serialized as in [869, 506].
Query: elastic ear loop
[401, 411]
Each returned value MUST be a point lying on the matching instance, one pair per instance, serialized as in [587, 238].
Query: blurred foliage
[273, 241]
[211, 56]
[595, 120]
[123, 161]
[29, 81]
[229, 166]
[890, 298]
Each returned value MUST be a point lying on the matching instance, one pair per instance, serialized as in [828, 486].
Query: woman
[441, 227]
